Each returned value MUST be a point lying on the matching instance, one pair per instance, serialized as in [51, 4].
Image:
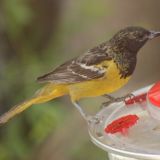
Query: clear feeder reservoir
[130, 130]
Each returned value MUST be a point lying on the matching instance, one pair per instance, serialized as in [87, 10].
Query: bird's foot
[94, 120]
[115, 100]
[89, 119]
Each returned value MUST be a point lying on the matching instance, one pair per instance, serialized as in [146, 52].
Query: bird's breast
[109, 83]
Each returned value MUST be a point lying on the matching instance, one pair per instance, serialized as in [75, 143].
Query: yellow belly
[108, 84]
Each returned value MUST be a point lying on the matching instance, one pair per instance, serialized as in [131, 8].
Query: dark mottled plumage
[122, 48]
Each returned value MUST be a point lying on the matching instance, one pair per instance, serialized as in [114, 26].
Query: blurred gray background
[38, 35]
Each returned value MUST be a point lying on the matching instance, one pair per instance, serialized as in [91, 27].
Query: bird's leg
[118, 99]
[109, 97]
[87, 117]
[80, 109]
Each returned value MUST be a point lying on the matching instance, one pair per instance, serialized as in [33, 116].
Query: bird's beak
[154, 34]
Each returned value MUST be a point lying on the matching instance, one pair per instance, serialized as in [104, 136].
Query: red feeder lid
[121, 124]
[154, 95]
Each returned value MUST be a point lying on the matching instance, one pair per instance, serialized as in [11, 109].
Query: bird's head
[133, 38]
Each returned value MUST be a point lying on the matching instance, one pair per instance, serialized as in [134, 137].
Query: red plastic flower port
[121, 124]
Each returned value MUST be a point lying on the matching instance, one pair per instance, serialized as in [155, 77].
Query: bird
[100, 71]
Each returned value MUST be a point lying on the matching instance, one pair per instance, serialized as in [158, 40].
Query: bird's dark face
[133, 38]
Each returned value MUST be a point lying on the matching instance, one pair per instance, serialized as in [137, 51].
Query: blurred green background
[38, 35]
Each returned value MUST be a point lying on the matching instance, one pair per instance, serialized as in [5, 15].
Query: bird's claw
[119, 99]
[107, 103]
[94, 120]
[129, 97]
[125, 98]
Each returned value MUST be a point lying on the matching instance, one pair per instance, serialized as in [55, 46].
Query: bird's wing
[82, 68]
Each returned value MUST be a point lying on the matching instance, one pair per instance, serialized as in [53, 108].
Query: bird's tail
[45, 94]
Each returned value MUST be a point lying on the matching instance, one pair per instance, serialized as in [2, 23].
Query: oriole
[102, 70]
